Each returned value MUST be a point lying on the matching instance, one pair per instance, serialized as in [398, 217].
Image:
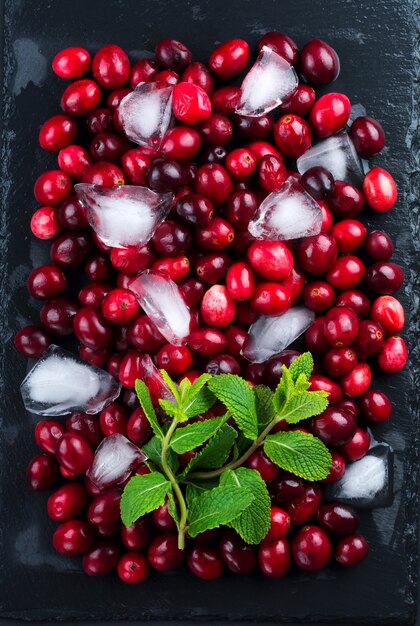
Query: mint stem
[177, 490]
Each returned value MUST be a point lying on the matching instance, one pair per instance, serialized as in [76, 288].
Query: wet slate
[376, 42]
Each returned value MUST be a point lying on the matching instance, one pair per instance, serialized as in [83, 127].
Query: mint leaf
[153, 450]
[238, 397]
[184, 387]
[264, 405]
[172, 510]
[196, 488]
[169, 407]
[193, 435]
[197, 385]
[254, 521]
[304, 364]
[147, 406]
[215, 453]
[283, 390]
[302, 383]
[141, 495]
[304, 404]
[203, 400]
[216, 507]
[299, 453]
[171, 384]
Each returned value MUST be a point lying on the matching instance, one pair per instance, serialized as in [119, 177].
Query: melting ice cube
[126, 215]
[114, 460]
[289, 213]
[269, 82]
[367, 483]
[338, 155]
[161, 300]
[154, 381]
[270, 335]
[60, 383]
[146, 113]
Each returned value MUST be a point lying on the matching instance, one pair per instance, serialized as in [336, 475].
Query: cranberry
[327, 217]
[393, 356]
[254, 373]
[98, 268]
[318, 182]
[67, 502]
[279, 524]
[346, 200]
[213, 181]
[294, 283]
[240, 208]
[380, 189]
[357, 382]
[171, 238]
[356, 300]
[351, 550]
[207, 341]
[91, 329]
[181, 144]
[389, 313]
[120, 306]
[74, 453]
[375, 406]
[139, 430]
[45, 223]
[245, 316]
[101, 559]
[167, 77]
[32, 341]
[46, 281]
[273, 367]
[224, 100]
[41, 472]
[369, 340]
[73, 537]
[229, 58]
[144, 335]
[212, 268]
[241, 163]
[357, 447]
[57, 132]
[319, 62]
[339, 362]
[300, 102]
[318, 296]
[349, 235]
[272, 173]
[70, 250]
[132, 260]
[108, 147]
[164, 554]
[195, 209]
[239, 557]
[113, 420]
[103, 174]
[240, 281]
[176, 360]
[222, 364]
[111, 67]
[87, 426]
[314, 337]
[165, 175]
[190, 103]
[205, 562]
[379, 245]
[217, 307]
[74, 160]
[311, 548]
[323, 383]
[338, 467]
[340, 326]
[261, 149]
[133, 568]
[105, 508]
[80, 98]
[47, 433]
[274, 558]
[316, 254]
[131, 368]
[260, 462]
[282, 45]
[253, 128]
[57, 316]
[138, 535]
[175, 267]
[236, 337]
[92, 295]
[99, 121]
[330, 114]
[292, 135]
[367, 135]
[198, 74]
[72, 214]
[135, 165]
[216, 130]
[172, 54]
[217, 235]
[384, 278]
[349, 405]
[347, 272]
[334, 426]
[52, 188]
[286, 488]
[71, 62]
[270, 299]
[143, 71]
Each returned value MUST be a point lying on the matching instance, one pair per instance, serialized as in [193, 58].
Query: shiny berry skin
[105, 508]
[349, 234]
[120, 306]
[57, 132]
[218, 307]
[273, 367]
[45, 223]
[171, 238]
[212, 268]
[314, 337]
[74, 453]
[108, 147]
[334, 426]
[367, 135]
[74, 160]
[350, 406]
[240, 208]
[319, 62]
[323, 383]
[340, 326]
[135, 165]
[292, 135]
[73, 537]
[286, 488]
[47, 433]
[384, 277]
[279, 524]
[198, 74]
[101, 559]
[240, 281]
[389, 313]
[253, 128]
[216, 130]
[346, 273]
[71, 62]
[91, 329]
[380, 190]
[225, 99]
[311, 548]
[93, 294]
[222, 364]
[282, 45]
[241, 163]
[379, 245]
[32, 341]
[337, 469]
[205, 562]
[351, 550]
[68, 502]
[266, 468]
[329, 114]
[190, 103]
[239, 557]
[207, 341]
[113, 420]
[274, 558]
[375, 406]
[70, 250]
[213, 181]
[132, 260]
[192, 290]
[339, 362]
[52, 188]
[318, 182]
[87, 426]
[270, 299]
[172, 54]
[175, 267]
[176, 360]
[294, 283]
[41, 472]
[300, 102]
[195, 209]
[357, 447]
[393, 356]
[111, 67]
[217, 235]
[57, 316]
[164, 554]
[271, 259]
[166, 175]
[272, 173]
[133, 568]
[318, 296]
[357, 382]
[139, 430]
[181, 144]
[229, 58]
[103, 174]
[316, 254]
[139, 535]
[99, 121]
[356, 300]
[346, 200]
[80, 98]
[369, 340]
[46, 281]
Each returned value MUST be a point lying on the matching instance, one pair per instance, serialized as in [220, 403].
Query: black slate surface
[379, 49]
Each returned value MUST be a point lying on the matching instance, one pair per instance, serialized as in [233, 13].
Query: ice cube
[357, 110]
[269, 82]
[126, 215]
[269, 335]
[161, 300]
[115, 458]
[338, 155]
[61, 383]
[289, 213]
[367, 483]
[154, 381]
[146, 113]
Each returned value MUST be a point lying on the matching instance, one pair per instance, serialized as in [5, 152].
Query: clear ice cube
[338, 155]
[367, 483]
[125, 215]
[146, 113]
[289, 213]
[61, 383]
[162, 301]
[115, 458]
[269, 82]
[269, 335]
[154, 381]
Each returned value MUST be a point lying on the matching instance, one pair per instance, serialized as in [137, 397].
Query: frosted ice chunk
[154, 381]
[269, 82]
[289, 213]
[126, 215]
[338, 155]
[367, 483]
[357, 110]
[269, 335]
[115, 458]
[61, 383]
[146, 113]
[161, 300]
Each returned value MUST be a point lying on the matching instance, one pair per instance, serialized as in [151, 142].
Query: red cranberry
[379, 245]
[47, 433]
[212, 268]
[198, 74]
[323, 383]
[369, 340]
[351, 550]
[292, 135]
[144, 335]
[222, 364]
[70, 250]
[287, 488]
[240, 208]
[99, 121]
[270, 299]
[273, 367]
[67, 502]
[241, 163]
[218, 235]
[166, 175]
[45, 282]
[207, 341]
[274, 558]
[347, 272]
[279, 524]
[41, 472]
[172, 54]
[316, 254]
[111, 67]
[311, 548]
[72, 214]
[368, 136]
[356, 300]
[80, 98]
[143, 71]
[87, 426]
[357, 447]
[393, 356]
[318, 182]
[239, 557]
[338, 467]
[195, 209]
[330, 114]
[334, 426]
[132, 260]
[346, 200]
[319, 62]
[213, 181]
[101, 559]
[253, 128]
[339, 362]
[318, 296]
[113, 420]
[205, 562]
[357, 382]
[389, 313]
[108, 147]
[133, 568]
[380, 189]
[45, 223]
[73, 537]
[229, 58]
[91, 329]
[164, 554]
[314, 337]
[131, 368]
[282, 45]
[32, 341]
[105, 508]
[52, 188]
[171, 239]
[384, 278]
[216, 130]
[57, 316]
[176, 360]
[300, 102]
[120, 306]
[71, 62]
[224, 100]
[74, 160]
[135, 165]
[181, 144]
[349, 235]
[57, 132]
[139, 430]
[340, 326]
[103, 174]
[240, 281]
[272, 173]
[190, 103]
[138, 535]
[375, 406]
[93, 294]
[260, 462]
[74, 453]
[217, 307]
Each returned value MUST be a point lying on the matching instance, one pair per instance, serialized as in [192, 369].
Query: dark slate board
[375, 40]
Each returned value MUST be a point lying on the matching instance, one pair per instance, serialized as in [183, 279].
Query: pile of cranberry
[220, 166]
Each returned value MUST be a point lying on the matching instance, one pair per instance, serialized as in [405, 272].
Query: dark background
[378, 45]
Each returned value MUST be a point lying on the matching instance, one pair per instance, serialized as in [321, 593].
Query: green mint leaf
[264, 405]
[304, 404]
[284, 390]
[147, 406]
[299, 453]
[184, 388]
[171, 384]
[169, 407]
[304, 364]
[215, 453]
[302, 383]
[201, 402]
[141, 495]
[196, 488]
[238, 397]
[193, 435]
[254, 521]
[216, 507]
[153, 450]
[172, 510]
[198, 385]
